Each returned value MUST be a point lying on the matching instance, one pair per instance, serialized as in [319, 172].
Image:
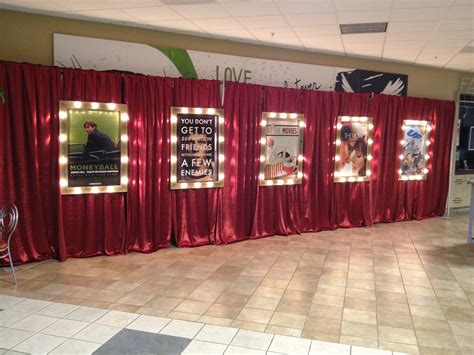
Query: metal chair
[8, 223]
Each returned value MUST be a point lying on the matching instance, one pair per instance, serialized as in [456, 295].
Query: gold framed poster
[197, 148]
[93, 147]
[353, 149]
[415, 145]
[281, 154]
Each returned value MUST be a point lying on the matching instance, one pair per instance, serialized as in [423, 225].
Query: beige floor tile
[324, 325]
[124, 286]
[394, 320]
[434, 351]
[328, 300]
[269, 304]
[223, 311]
[429, 324]
[255, 315]
[425, 301]
[393, 308]
[216, 320]
[354, 315]
[462, 328]
[331, 290]
[288, 320]
[459, 314]
[390, 297]
[329, 337]
[359, 330]
[436, 340]
[397, 347]
[294, 307]
[232, 299]
[203, 295]
[465, 343]
[300, 296]
[269, 292]
[397, 335]
[165, 303]
[324, 311]
[258, 327]
[189, 306]
[292, 332]
[361, 284]
[275, 283]
[360, 304]
[184, 316]
[153, 312]
[351, 340]
[359, 293]
[426, 312]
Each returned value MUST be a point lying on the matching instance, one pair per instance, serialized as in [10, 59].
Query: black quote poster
[197, 148]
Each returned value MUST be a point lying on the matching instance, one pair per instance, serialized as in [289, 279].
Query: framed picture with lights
[281, 153]
[415, 150]
[197, 148]
[93, 147]
[353, 149]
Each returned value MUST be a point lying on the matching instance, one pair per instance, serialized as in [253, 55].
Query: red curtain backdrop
[148, 198]
[150, 216]
[28, 158]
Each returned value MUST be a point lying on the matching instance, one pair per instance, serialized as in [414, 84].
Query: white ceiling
[436, 33]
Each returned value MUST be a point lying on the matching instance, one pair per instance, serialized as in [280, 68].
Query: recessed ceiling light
[370, 27]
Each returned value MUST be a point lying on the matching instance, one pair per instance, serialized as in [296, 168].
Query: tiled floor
[405, 287]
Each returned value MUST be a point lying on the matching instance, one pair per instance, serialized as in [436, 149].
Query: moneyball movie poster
[196, 148]
[93, 147]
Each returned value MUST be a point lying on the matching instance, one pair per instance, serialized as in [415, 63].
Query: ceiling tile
[155, 13]
[214, 24]
[458, 24]
[463, 62]
[304, 6]
[459, 34]
[405, 44]
[262, 21]
[461, 43]
[325, 48]
[435, 60]
[401, 55]
[108, 15]
[272, 34]
[32, 4]
[363, 16]
[201, 11]
[285, 42]
[364, 38]
[311, 31]
[235, 35]
[328, 18]
[461, 12]
[179, 25]
[322, 40]
[408, 36]
[412, 26]
[362, 5]
[429, 13]
[251, 8]
[452, 51]
[375, 53]
[362, 47]
[400, 4]
[74, 5]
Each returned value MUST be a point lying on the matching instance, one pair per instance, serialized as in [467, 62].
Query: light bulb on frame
[95, 105]
[62, 115]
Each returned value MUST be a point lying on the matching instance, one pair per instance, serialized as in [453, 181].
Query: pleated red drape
[149, 198]
[93, 224]
[195, 211]
[28, 158]
[150, 216]
[243, 107]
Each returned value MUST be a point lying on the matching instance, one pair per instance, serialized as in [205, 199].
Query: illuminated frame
[64, 109]
[427, 143]
[289, 119]
[370, 128]
[175, 185]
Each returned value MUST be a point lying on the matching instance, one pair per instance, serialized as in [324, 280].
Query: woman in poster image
[353, 150]
[359, 158]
